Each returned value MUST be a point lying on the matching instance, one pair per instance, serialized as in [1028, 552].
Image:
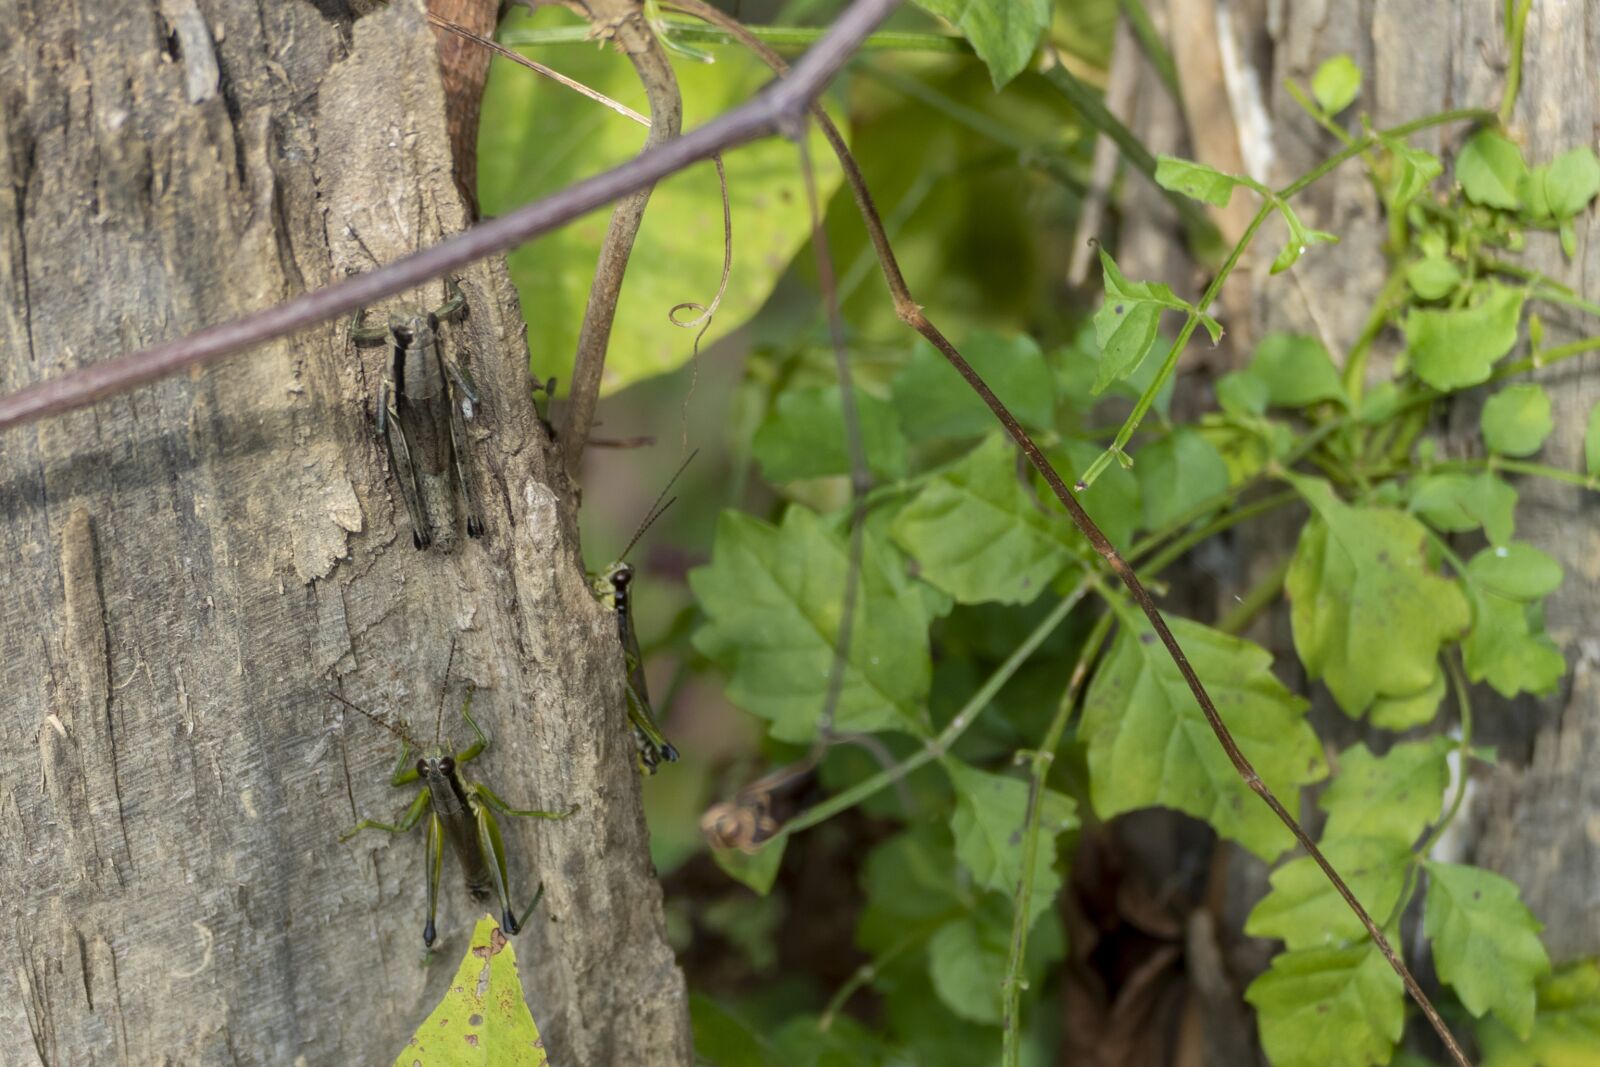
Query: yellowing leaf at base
[482, 1019]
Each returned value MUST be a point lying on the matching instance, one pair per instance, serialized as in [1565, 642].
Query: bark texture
[193, 566]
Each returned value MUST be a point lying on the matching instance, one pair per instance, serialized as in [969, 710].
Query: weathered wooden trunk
[191, 568]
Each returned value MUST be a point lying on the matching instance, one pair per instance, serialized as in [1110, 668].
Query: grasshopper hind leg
[463, 401]
[394, 436]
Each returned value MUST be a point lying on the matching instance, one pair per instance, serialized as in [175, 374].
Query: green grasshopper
[458, 811]
[423, 408]
[612, 588]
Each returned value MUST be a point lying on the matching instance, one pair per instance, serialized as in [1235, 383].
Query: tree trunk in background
[191, 567]
[1533, 817]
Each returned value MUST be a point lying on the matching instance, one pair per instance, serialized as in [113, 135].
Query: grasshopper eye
[433, 321]
[447, 766]
[621, 577]
[403, 335]
[422, 768]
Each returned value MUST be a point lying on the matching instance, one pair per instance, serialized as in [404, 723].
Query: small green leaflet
[1433, 277]
[758, 869]
[805, 437]
[1456, 347]
[1506, 650]
[1125, 325]
[1409, 709]
[483, 1018]
[1367, 613]
[1336, 83]
[1242, 394]
[1516, 420]
[932, 400]
[1566, 1028]
[1394, 796]
[1301, 237]
[1176, 473]
[1411, 170]
[1491, 171]
[991, 813]
[1572, 180]
[1329, 1007]
[978, 532]
[1517, 571]
[1003, 32]
[1305, 911]
[1297, 371]
[772, 598]
[1456, 503]
[1149, 743]
[1485, 942]
[1196, 180]
[723, 1038]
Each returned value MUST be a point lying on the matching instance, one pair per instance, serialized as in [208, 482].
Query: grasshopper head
[409, 328]
[436, 764]
[611, 581]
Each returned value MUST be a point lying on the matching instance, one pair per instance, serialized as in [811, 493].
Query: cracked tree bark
[192, 566]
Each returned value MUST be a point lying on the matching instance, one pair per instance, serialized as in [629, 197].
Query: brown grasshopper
[423, 408]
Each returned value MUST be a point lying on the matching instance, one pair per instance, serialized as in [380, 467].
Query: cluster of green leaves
[964, 553]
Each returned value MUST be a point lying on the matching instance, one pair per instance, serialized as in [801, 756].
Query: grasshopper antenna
[398, 731]
[438, 717]
[657, 509]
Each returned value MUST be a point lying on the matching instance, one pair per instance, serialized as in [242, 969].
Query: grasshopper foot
[474, 526]
[429, 933]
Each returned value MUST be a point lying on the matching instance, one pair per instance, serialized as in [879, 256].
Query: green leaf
[1196, 180]
[1329, 1007]
[1591, 443]
[1002, 32]
[1301, 237]
[1409, 709]
[1112, 501]
[1336, 83]
[1566, 1027]
[1433, 277]
[1242, 394]
[908, 879]
[1518, 571]
[1456, 503]
[1149, 743]
[1176, 473]
[933, 401]
[1125, 325]
[1297, 370]
[1303, 910]
[1516, 420]
[483, 1018]
[1573, 179]
[1367, 613]
[1392, 797]
[1456, 347]
[805, 437]
[772, 598]
[1507, 651]
[758, 869]
[1411, 172]
[979, 533]
[537, 138]
[722, 1038]
[991, 812]
[1491, 170]
[1485, 942]
[967, 961]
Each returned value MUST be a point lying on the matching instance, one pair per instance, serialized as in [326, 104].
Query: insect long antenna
[444, 687]
[657, 509]
[398, 731]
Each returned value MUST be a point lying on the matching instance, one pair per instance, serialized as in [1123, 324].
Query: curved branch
[779, 106]
[625, 18]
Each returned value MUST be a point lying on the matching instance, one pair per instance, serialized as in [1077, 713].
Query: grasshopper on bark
[613, 587]
[458, 811]
[424, 406]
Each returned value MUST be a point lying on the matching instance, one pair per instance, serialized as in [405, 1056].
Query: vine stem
[1011, 986]
[911, 313]
[776, 108]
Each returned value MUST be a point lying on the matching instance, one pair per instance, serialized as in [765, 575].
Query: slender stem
[1043, 757]
[1177, 548]
[776, 106]
[975, 705]
[1321, 117]
[1372, 140]
[869, 970]
[1508, 99]
[776, 36]
[1545, 288]
[1355, 363]
[1541, 470]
